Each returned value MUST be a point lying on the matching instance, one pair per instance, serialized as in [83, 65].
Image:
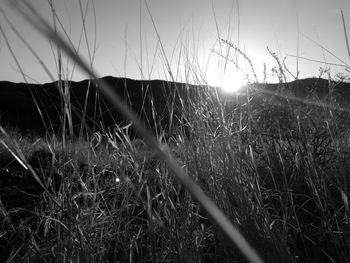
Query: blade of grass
[36, 20]
[345, 33]
[327, 50]
[314, 60]
[161, 44]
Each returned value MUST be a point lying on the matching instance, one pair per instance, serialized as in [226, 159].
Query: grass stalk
[345, 34]
[265, 168]
[35, 19]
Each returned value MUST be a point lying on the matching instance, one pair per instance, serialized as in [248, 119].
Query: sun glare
[229, 81]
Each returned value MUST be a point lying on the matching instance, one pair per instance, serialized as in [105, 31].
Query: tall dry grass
[275, 169]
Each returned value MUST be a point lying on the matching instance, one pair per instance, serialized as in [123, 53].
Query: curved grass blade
[36, 20]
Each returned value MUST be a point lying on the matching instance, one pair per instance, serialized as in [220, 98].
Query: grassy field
[282, 180]
[277, 167]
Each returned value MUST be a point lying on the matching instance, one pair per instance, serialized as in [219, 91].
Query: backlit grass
[276, 167]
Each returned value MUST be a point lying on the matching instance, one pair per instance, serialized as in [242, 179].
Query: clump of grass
[207, 204]
[275, 165]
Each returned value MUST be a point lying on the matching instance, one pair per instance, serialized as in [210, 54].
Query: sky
[123, 41]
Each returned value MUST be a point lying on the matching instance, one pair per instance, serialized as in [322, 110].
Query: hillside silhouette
[38, 108]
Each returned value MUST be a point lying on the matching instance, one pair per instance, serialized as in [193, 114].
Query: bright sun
[230, 81]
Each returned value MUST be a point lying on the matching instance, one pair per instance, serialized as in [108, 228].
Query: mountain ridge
[31, 107]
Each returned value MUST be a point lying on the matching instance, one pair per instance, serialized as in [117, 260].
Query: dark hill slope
[38, 108]
[160, 104]
[312, 88]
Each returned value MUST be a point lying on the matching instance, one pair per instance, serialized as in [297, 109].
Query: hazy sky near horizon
[125, 42]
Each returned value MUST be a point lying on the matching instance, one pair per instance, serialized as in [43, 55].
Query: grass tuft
[261, 176]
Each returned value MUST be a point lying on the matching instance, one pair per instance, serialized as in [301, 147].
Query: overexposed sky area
[123, 41]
